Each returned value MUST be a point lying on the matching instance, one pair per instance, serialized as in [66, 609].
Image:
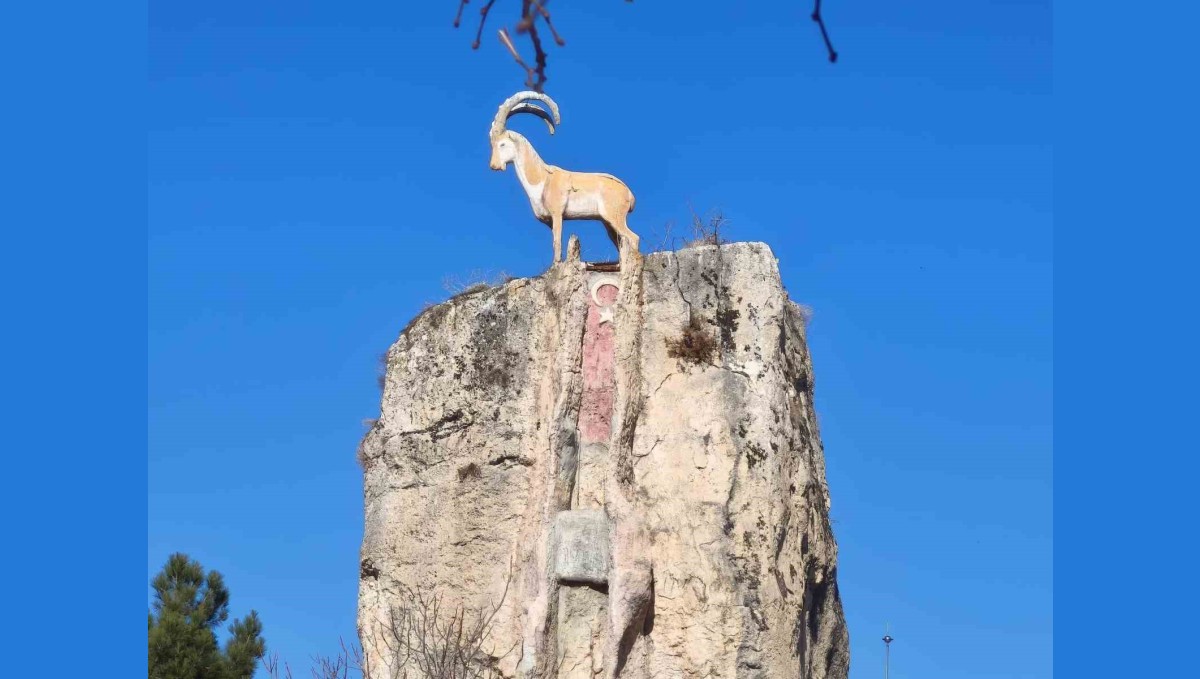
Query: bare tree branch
[483, 15]
[541, 9]
[533, 10]
[423, 636]
[816, 16]
[539, 57]
[512, 49]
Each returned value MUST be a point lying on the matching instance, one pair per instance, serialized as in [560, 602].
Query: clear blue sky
[317, 169]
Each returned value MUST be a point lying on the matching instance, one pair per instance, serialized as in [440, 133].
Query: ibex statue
[557, 194]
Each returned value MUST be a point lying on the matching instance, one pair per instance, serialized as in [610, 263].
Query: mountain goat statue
[554, 193]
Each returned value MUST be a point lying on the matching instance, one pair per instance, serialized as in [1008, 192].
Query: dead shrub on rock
[423, 636]
[695, 344]
[475, 281]
[426, 636]
[804, 311]
[381, 372]
[709, 230]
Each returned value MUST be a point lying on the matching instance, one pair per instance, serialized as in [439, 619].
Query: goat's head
[504, 143]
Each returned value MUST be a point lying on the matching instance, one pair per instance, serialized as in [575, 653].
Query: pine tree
[188, 607]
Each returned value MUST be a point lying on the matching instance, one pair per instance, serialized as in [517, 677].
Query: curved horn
[510, 107]
[535, 110]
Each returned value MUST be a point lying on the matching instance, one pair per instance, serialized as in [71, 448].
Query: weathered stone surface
[580, 546]
[582, 619]
[713, 480]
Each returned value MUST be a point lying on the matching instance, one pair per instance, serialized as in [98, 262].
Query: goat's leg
[628, 237]
[613, 236]
[556, 227]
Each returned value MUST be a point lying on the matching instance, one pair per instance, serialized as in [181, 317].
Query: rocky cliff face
[606, 475]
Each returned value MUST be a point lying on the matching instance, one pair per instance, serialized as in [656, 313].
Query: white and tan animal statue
[557, 194]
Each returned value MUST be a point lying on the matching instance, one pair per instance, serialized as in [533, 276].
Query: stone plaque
[581, 546]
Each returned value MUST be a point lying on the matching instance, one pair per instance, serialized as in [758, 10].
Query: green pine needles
[188, 606]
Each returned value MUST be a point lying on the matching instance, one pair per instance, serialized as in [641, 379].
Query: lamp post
[887, 651]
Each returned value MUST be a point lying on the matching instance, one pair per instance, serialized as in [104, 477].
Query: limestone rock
[499, 478]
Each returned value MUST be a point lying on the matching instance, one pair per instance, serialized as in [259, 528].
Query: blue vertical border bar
[1127, 484]
[73, 270]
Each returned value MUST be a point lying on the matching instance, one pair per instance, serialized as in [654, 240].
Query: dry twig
[432, 639]
[533, 10]
[816, 16]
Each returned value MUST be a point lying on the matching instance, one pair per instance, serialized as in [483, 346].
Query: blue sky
[317, 169]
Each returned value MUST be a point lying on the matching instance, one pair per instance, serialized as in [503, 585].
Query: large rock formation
[604, 475]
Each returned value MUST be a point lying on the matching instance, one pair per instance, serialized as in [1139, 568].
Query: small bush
[669, 242]
[708, 230]
[424, 635]
[805, 312]
[426, 309]
[381, 378]
[474, 281]
[695, 344]
[360, 454]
